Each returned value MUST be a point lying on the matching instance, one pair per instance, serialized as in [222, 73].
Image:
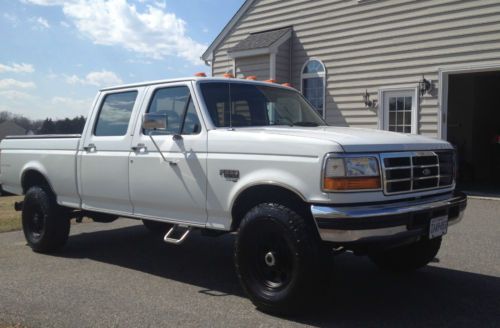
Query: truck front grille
[417, 171]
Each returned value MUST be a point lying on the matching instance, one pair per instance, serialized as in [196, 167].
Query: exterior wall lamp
[369, 103]
[425, 86]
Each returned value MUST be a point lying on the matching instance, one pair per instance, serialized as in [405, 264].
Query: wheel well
[256, 195]
[34, 178]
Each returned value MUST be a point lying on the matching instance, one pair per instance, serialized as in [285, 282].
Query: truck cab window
[177, 104]
[115, 113]
[191, 122]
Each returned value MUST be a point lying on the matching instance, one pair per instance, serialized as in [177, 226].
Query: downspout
[272, 65]
[290, 61]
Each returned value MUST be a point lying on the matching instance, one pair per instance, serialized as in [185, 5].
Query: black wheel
[45, 226]
[156, 227]
[409, 257]
[277, 258]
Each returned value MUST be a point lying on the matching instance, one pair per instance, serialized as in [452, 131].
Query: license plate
[438, 227]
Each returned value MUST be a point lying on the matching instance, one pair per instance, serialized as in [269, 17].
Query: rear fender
[34, 166]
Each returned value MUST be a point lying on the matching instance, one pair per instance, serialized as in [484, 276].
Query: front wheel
[277, 258]
[408, 257]
[45, 226]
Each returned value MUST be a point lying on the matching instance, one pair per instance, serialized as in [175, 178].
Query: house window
[399, 111]
[314, 84]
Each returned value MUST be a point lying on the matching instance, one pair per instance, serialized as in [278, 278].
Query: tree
[48, 126]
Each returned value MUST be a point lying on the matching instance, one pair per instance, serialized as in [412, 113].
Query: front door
[172, 190]
[104, 154]
[399, 111]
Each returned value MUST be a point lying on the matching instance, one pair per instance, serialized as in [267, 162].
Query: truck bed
[53, 156]
[46, 136]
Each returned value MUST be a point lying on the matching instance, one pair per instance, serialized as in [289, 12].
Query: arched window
[314, 84]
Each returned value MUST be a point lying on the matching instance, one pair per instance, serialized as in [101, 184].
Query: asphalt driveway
[117, 275]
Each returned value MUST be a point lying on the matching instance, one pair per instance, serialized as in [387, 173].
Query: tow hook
[18, 206]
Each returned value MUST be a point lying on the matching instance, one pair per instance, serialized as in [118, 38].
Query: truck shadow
[359, 293]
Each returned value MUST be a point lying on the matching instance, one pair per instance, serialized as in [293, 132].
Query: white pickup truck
[254, 158]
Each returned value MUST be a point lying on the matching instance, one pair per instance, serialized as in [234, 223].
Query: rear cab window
[114, 114]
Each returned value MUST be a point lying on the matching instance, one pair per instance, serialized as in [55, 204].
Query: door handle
[90, 148]
[140, 148]
[173, 162]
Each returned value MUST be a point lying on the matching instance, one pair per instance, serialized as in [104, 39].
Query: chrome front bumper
[363, 223]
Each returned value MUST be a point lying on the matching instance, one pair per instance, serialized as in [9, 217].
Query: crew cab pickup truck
[253, 158]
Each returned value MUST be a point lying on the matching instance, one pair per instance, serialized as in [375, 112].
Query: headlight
[351, 173]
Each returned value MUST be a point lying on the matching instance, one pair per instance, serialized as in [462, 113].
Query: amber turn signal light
[363, 183]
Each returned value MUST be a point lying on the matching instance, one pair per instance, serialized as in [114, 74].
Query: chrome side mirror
[155, 122]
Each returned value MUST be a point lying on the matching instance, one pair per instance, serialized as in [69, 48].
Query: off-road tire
[409, 257]
[45, 226]
[157, 227]
[276, 229]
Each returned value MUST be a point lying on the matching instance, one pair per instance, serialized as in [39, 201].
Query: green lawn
[10, 220]
[17, 325]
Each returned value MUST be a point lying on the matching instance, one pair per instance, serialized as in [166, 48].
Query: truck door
[173, 190]
[105, 151]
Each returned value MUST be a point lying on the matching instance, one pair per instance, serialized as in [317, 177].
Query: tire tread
[308, 246]
[57, 227]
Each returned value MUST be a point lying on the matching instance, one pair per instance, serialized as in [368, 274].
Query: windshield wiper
[305, 123]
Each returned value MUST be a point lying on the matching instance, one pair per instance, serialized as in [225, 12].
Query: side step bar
[177, 234]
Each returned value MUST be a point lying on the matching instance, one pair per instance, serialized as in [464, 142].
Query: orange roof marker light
[287, 84]
[228, 76]
[200, 74]
[251, 77]
[270, 81]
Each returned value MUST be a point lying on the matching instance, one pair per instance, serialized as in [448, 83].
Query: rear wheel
[277, 258]
[408, 257]
[45, 226]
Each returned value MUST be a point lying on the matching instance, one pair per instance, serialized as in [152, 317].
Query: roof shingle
[260, 40]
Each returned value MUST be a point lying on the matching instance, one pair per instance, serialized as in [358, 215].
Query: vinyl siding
[257, 65]
[283, 63]
[376, 44]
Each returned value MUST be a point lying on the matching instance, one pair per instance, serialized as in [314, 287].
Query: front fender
[266, 177]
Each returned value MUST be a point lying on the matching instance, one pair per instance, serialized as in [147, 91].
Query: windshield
[243, 104]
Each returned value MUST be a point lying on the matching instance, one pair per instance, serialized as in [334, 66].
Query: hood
[360, 140]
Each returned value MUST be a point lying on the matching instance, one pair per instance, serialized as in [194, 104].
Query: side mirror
[155, 122]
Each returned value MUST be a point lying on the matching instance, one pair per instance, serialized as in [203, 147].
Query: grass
[10, 220]
[17, 325]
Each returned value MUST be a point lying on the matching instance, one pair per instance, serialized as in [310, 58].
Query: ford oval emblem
[426, 172]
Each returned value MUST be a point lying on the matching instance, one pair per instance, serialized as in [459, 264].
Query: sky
[55, 55]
